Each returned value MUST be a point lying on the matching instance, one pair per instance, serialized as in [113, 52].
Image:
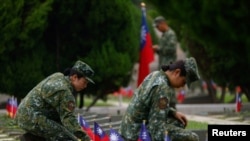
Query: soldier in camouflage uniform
[167, 47]
[151, 100]
[47, 111]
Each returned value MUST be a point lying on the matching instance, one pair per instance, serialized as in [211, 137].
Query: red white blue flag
[114, 135]
[238, 103]
[146, 51]
[85, 127]
[99, 133]
[11, 107]
[238, 99]
[167, 138]
[8, 106]
[144, 134]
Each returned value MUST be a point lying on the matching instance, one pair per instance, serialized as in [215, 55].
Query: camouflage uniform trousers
[51, 131]
[176, 132]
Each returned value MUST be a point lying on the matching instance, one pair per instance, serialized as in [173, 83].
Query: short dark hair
[70, 72]
[180, 64]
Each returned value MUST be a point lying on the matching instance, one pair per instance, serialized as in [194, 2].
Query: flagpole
[78, 118]
[93, 135]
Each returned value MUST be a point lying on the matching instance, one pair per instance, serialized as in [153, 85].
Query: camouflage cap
[84, 69]
[157, 20]
[192, 70]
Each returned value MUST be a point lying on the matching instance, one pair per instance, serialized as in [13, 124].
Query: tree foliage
[41, 37]
[21, 49]
[216, 34]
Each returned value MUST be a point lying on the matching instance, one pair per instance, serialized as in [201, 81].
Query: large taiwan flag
[146, 50]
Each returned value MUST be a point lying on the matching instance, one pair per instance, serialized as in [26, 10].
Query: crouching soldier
[151, 101]
[47, 111]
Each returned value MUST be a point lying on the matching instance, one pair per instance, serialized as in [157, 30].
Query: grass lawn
[229, 97]
[88, 101]
[196, 125]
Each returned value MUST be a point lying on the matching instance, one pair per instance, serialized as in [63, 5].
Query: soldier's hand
[182, 118]
[84, 140]
[81, 136]
[155, 47]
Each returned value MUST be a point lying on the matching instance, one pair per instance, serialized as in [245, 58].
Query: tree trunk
[93, 102]
[211, 91]
[223, 93]
[247, 93]
[81, 100]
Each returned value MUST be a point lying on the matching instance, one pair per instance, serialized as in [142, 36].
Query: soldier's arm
[65, 104]
[160, 104]
[159, 110]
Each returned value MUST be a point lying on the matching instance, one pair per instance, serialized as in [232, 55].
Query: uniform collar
[165, 77]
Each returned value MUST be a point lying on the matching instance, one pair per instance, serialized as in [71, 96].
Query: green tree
[216, 34]
[104, 34]
[21, 49]
[41, 37]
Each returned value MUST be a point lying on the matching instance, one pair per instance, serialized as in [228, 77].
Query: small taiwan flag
[144, 134]
[114, 135]
[99, 133]
[167, 138]
[11, 107]
[85, 127]
[238, 103]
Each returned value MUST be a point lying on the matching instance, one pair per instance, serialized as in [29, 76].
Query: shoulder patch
[71, 105]
[163, 103]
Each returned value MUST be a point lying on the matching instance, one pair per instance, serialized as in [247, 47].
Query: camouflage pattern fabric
[47, 110]
[150, 102]
[167, 53]
[167, 48]
[192, 70]
[84, 69]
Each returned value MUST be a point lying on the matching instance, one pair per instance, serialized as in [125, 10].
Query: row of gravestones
[104, 120]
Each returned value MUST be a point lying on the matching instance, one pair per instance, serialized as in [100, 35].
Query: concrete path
[209, 113]
[213, 120]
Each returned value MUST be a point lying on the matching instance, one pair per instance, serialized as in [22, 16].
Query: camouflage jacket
[150, 102]
[51, 99]
[167, 47]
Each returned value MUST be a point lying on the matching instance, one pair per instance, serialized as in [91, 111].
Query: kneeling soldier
[47, 111]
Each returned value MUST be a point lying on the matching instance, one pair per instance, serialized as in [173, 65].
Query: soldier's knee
[194, 137]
